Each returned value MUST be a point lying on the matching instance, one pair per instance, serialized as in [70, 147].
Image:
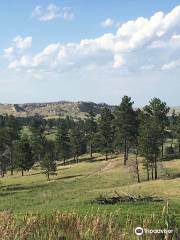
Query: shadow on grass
[69, 177]
[173, 176]
[32, 174]
[19, 187]
[169, 176]
[85, 159]
[11, 185]
[4, 194]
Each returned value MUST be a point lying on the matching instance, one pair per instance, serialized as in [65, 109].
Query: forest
[24, 141]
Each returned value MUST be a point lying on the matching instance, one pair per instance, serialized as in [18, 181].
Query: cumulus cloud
[22, 43]
[8, 53]
[171, 65]
[147, 67]
[18, 46]
[143, 43]
[52, 12]
[107, 22]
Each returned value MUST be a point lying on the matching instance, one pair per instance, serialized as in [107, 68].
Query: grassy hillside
[76, 184]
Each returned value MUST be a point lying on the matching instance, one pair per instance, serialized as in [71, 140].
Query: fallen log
[126, 198]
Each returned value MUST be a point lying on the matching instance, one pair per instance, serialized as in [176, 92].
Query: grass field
[76, 184]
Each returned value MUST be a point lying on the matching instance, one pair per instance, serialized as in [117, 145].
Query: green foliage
[63, 141]
[23, 154]
[38, 140]
[178, 130]
[153, 125]
[75, 142]
[106, 131]
[91, 129]
[47, 163]
[126, 125]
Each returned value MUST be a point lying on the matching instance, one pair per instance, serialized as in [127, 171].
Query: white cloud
[107, 23]
[118, 61]
[171, 65]
[176, 37]
[52, 12]
[158, 44]
[22, 43]
[19, 44]
[141, 44]
[8, 53]
[147, 67]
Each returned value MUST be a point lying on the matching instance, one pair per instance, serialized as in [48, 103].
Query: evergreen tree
[178, 131]
[4, 152]
[12, 128]
[149, 142]
[106, 131]
[23, 154]
[47, 163]
[159, 110]
[125, 124]
[38, 140]
[63, 141]
[75, 142]
[173, 126]
[91, 128]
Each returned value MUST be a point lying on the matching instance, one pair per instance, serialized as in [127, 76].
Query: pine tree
[91, 128]
[178, 131]
[47, 163]
[23, 154]
[125, 125]
[63, 141]
[159, 110]
[38, 140]
[12, 128]
[149, 143]
[4, 152]
[75, 143]
[106, 131]
[173, 126]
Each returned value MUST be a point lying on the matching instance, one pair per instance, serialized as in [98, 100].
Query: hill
[55, 109]
[52, 109]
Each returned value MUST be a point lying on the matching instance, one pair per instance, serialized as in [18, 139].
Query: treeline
[143, 132]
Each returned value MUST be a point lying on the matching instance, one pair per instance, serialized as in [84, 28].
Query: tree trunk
[48, 177]
[137, 167]
[152, 172]
[179, 146]
[147, 168]
[91, 150]
[11, 160]
[162, 149]
[125, 151]
[2, 172]
[155, 166]
[22, 172]
[106, 156]
[64, 159]
[172, 140]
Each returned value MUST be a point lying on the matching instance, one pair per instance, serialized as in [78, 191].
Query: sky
[96, 51]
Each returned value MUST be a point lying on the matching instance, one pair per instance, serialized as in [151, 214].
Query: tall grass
[71, 226]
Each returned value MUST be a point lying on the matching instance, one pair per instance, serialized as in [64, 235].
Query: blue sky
[89, 50]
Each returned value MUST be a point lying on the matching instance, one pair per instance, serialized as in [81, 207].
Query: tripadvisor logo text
[140, 231]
